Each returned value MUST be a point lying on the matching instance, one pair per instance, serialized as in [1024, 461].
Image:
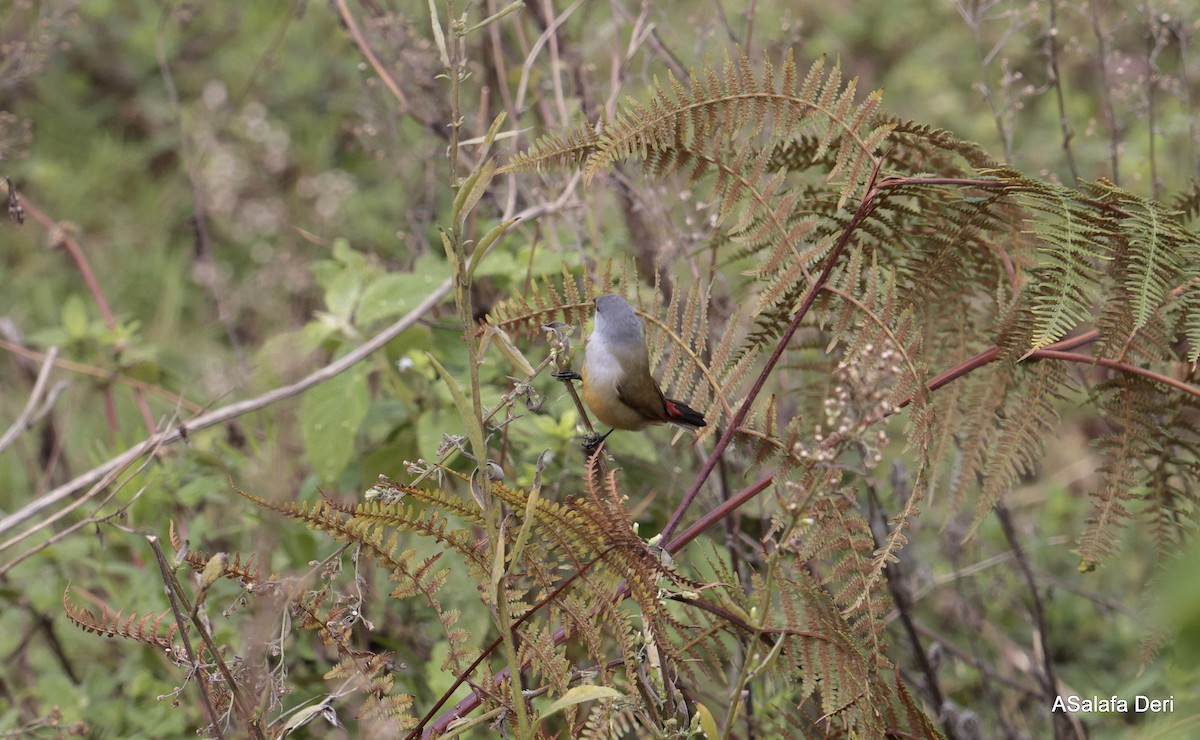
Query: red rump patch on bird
[681, 413]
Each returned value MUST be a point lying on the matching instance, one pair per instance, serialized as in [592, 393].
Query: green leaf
[199, 490]
[505, 11]
[342, 279]
[471, 191]
[439, 36]
[329, 421]
[448, 243]
[74, 317]
[504, 343]
[343, 293]
[708, 723]
[578, 695]
[308, 714]
[147, 371]
[486, 244]
[465, 411]
[393, 295]
[1065, 280]
[535, 494]
[490, 137]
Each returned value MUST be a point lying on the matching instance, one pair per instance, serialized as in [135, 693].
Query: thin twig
[181, 624]
[1050, 352]
[542, 40]
[903, 604]
[107, 375]
[178, 598]
[226, 413]
[1106, 95]
[1049, 682]
[1056, 81]
[1124, 367]
[725, 508]
[25, 419]
[71, 530]
[939, 636]
[368, 53]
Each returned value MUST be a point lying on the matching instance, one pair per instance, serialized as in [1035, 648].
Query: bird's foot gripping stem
[591, 442]
[566, 376]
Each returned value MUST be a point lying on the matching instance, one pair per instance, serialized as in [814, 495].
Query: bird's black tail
[680, 414]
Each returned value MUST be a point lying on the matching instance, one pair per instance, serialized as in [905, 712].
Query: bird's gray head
[616, 320]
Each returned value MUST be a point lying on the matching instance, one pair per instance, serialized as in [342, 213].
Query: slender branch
[901, 597]
[1056, 81]
[1106, 95]
[720, 512]
[1049, 682]
[177, 597]
[224, 414]
[107, 375]
[1054, 351]
[368, 53]
[940, 637]
[26, 417]
[63, 534]
[763, 633]
[181, 624]
[1124, 367]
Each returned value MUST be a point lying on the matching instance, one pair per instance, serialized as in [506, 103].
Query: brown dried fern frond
[148, 630]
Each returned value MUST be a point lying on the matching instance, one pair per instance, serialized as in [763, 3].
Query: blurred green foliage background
[253, 203]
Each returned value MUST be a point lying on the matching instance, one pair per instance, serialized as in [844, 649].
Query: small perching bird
[617, 384]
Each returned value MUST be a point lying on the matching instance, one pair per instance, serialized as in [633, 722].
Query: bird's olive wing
[646, 399]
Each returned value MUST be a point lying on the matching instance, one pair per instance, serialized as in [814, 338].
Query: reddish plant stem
[719, 513]
[1125, 367]
[63, 239]
[864, 209]
[1056, 351]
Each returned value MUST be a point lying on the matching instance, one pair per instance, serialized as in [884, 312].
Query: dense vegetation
[278, 277]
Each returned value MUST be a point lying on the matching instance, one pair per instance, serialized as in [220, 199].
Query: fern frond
[918, 147]
[823, 660]
[149, 630]
[1072, 240]
[841, 537]
[1027, 424]
[1188, 321]
[544, 302]
[555, 152]
[1152, 455]
[1124, 405]
[1188, 202]
[427, 523]
[702, 121]
[1154, 245]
